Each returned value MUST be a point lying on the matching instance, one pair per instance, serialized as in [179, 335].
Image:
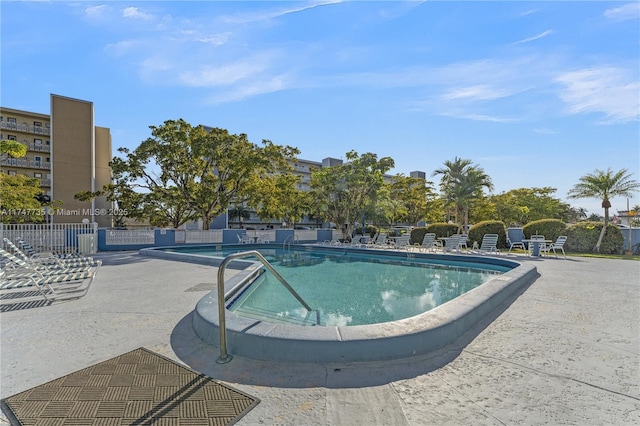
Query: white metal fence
[129, 236]
[59, 237]
[210, 236]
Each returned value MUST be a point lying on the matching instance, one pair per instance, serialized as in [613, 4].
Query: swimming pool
[399, 338]
[354, 288]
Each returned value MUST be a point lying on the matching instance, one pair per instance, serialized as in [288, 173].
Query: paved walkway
[566, 350]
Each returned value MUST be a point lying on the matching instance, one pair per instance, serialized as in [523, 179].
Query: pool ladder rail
[224, 355]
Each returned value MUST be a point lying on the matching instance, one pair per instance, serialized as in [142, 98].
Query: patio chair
[451, 243]
[48, 260]
[21, 281]
[514, 239]
[557, 245]
[489, 244]
[381, 241]
[26, 248]
[536, 245]
[15, 266]
[463, 242]
[403, 242]
[428, 242]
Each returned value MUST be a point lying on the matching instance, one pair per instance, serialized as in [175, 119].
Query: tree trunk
[604, 230]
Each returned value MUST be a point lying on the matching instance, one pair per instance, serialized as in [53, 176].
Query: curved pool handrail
[224, 356]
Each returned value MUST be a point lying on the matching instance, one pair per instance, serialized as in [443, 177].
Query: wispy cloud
[479, 117]
[255, 88]
[275, 13]
[480, 92]
[623, 13]
[94, 12]
[607, 90]
[545, 131]
[135, 13]
[534, 38]
[226, 74]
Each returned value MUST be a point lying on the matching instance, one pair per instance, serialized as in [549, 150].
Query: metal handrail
[224, 356]
[288, 241]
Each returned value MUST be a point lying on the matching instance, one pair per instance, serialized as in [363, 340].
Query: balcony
[38, 147]
[19, 162]
[38, 130]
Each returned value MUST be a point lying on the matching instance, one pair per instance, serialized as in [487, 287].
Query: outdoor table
[535, 248]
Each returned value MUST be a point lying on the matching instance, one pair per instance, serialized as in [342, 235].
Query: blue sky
[536, 93]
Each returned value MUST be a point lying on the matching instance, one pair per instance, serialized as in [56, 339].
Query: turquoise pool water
[351, 287]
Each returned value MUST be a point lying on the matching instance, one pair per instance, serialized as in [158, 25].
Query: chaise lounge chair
[489, 244]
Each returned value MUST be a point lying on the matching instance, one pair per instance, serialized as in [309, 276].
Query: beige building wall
[103, 174]
[74, 165]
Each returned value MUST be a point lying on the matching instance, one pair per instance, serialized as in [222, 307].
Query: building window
[37, 141]
[11, 120]
[47, 143]
[37, 124]
[37, 158]
[12, 138]
[37, 175]
[48, 160]
[11, 172]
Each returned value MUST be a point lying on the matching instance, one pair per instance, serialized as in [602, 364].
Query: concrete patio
[565, 350]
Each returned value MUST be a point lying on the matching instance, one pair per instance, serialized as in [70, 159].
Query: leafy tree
[9, 148]
[277, 197]
[605, 185]
[341, 193]
[517, 207]
[19, 199]
[415, 195]
[461, 183]
[186, 172]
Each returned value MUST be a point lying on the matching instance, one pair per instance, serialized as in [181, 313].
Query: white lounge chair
[557, 245]
[21, 281]
[403, 242]
[428, 242]
[463, 242]
[489, 244]
[451, 243]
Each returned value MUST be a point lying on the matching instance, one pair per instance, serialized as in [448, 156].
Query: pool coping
[417, 335]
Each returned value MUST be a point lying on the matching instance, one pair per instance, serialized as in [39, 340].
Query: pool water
[347, 287]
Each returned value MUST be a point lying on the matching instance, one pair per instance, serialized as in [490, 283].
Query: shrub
[442, 229]
[477, 231]
[370, 229]
[583, 237]
[417, 235]
[550, 228]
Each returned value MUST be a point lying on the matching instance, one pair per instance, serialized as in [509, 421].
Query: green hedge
[583, 237]
[550, 228]
[477, 231]
[440, 229]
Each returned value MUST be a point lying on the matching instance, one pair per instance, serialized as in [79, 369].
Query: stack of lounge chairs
[26, 275]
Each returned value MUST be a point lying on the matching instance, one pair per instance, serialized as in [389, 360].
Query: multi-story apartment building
[66, 151]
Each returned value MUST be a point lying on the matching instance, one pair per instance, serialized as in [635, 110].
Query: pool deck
[564, 350]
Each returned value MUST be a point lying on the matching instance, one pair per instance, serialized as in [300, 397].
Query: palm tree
[240, 212]
[605, 185]
[461, 183]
